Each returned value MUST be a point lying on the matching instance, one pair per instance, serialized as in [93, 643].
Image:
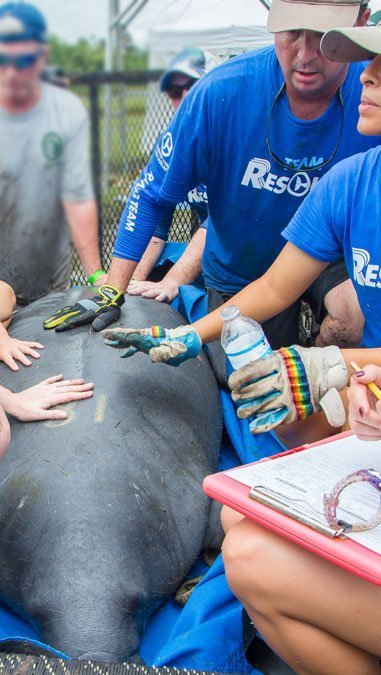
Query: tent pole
[133, 14]
[113, 11]
[117, 19]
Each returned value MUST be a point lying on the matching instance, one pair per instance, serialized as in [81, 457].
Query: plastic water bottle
[242, 339]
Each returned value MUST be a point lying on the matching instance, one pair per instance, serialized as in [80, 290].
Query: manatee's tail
[100, 629]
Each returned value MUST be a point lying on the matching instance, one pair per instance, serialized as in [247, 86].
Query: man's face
[178, 88]
[20, 66]
[306, 71]
[370, 106]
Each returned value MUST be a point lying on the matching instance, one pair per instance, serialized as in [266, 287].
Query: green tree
[88, 55]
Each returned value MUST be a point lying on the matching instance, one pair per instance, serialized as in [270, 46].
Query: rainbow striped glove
[290, 385]
[165, 345]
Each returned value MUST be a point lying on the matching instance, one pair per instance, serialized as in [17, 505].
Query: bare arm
[283, 283]
[120, 273]
[83, 222]
[7, 305]
[185, 271]
[149, 259]
[189, 266]
[12, 349]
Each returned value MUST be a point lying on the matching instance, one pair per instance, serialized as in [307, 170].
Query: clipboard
[343, 552]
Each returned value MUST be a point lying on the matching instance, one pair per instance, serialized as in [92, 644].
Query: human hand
[101, 310]
[162, 291]
[34, 404]
[12, 350]
[166, 345]
[364, 408]
[290, 384]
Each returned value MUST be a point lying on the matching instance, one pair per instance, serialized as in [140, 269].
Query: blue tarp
[206, 634]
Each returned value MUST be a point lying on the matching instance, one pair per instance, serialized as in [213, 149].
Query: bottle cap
[229, 312]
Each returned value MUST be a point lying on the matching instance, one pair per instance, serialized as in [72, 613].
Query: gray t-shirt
[44, 159]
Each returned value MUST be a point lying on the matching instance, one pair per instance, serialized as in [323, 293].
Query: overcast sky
[71, 19]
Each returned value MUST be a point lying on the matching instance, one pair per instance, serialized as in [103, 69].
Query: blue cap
[191, 61]
[20, 21]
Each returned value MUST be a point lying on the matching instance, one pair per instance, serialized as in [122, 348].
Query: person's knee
[343, 325]
[249, 555]
[340, 331]
[229, 518]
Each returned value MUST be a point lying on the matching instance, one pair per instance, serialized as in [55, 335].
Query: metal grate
[127, 113]
[22, 664]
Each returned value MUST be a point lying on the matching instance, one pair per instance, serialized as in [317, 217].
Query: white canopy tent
[222, 27]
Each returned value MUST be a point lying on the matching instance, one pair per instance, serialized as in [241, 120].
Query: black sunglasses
[176, 91]
[19, 61]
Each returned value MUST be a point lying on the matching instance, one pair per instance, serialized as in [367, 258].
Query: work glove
[166, 345]
[289, 385]
[102, 310]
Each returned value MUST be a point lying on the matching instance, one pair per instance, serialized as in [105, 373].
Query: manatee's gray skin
[101, 516]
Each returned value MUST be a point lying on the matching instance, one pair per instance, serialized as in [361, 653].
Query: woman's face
[370, 106]
[5, 433]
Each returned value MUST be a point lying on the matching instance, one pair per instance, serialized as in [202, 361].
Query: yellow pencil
[372, 386]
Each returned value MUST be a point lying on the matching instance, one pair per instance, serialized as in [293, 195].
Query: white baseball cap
[316, 15]
[352, 44]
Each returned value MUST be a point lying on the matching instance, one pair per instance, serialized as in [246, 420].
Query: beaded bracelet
[331, 501]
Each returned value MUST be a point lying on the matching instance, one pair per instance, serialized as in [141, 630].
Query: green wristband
[93, 277]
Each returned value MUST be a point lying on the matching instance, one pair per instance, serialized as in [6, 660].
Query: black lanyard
[285, 165]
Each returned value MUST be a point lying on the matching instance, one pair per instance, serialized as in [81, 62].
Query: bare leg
[315, 616]
[229, 518]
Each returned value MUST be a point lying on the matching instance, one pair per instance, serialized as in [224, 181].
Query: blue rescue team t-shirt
[342, 215]
[218, 138]
[196, 198]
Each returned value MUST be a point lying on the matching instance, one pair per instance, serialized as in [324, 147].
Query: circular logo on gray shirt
[52, 145]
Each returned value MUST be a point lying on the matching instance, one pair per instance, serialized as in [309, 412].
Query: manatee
[102, 515]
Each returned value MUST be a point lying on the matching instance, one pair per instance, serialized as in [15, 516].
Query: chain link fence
[127, 113]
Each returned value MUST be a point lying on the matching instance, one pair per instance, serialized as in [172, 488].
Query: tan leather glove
[290, 385]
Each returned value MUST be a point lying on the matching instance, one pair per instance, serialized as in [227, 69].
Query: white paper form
[302, 479]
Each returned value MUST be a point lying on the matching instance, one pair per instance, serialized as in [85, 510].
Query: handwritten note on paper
[302, 479]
